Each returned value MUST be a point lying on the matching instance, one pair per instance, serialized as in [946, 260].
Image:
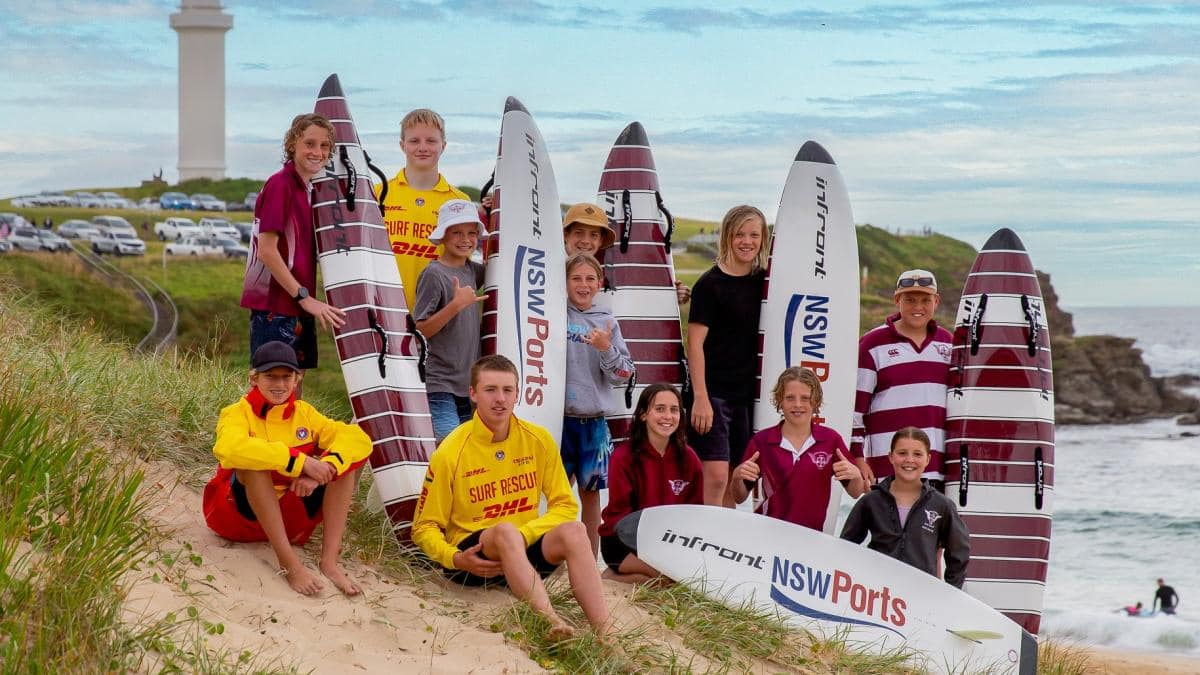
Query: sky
[1075, 123]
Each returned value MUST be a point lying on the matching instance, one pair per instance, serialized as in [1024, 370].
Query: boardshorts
[533, 553]
[299, 333]
[586, 447]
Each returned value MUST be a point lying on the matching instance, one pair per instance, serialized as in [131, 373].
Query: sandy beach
[1115, 661]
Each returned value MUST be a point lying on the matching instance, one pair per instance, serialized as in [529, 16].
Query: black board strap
[627, 230]
[629, 389]
[483, 192]
[964, 476]
[350, 188]
[383, 181]
[975, 328]
[1031, 315]
[670, 221]
[1039, 478]
[422, 342]
[383, 341]
[686, 393]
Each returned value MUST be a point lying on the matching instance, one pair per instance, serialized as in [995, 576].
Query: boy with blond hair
[415, 194]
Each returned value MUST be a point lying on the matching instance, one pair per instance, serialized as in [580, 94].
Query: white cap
[456, 212]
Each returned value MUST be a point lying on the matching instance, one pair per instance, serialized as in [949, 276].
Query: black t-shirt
[729, 306]
[1166, 596]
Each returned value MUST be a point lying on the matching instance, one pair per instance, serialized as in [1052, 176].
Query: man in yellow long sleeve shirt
[284, 467]
[478, 511]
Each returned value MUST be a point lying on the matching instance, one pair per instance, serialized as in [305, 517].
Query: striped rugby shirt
[900, 384]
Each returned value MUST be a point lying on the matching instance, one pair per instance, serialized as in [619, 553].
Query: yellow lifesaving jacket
[410, 216]
[473, 484]
[254, 435]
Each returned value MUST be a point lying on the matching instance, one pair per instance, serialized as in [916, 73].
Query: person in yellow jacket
[477, 515]
[415, 194]
[284, 467]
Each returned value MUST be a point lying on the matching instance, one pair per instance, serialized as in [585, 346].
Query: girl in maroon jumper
[797, 457]
[655, 467]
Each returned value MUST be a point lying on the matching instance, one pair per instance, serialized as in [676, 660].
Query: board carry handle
[964, 475]
[975, 328]
[383, 181]
[483, 193]
[670, 221]
[628, 229]
[350, 190]
[629, 389]
[383, 339]
[1031, 318]
[1039, 478]
[686, 395]
[422, 342]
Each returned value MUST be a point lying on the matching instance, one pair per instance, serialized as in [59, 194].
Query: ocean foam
[1161, 633]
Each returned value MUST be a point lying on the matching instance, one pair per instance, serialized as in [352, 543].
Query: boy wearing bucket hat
[284, 468]
[586, 230]
[903, 366]
[447, 314]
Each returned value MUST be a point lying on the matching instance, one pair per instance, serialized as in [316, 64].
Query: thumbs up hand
[844, 469]
[747, 470]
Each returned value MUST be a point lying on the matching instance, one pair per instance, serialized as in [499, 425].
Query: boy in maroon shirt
[796, 458]
[281, 275]
[655, 467]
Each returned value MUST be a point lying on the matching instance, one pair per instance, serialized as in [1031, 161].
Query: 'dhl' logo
[508, 508]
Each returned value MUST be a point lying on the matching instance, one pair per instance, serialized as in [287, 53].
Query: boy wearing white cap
[902, 370]
[447, 314]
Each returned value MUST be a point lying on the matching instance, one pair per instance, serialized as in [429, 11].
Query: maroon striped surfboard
[379, 348]
[639, 275]
[1000, 430]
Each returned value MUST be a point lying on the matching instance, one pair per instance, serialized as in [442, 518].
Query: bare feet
[632, 578]
[302, 580]
[560, 631]
[337, 575]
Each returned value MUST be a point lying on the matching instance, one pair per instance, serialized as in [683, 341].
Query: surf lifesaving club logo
[808, 590]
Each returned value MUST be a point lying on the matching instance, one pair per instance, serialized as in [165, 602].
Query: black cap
[272, 355]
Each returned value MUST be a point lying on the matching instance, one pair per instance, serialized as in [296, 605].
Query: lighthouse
[201, 26]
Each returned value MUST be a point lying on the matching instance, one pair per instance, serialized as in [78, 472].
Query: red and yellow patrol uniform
[410, 216]
[254, 435]
[473, 483]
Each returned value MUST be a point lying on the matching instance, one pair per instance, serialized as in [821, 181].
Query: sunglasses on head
[909, 282]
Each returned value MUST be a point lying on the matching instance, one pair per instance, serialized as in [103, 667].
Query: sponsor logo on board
[822, 210]
[808, 590]
[806, 331]
[533, 328]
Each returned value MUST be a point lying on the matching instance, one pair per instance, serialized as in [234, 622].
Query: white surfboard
[828, 586]
[525, 315]
[810, 309]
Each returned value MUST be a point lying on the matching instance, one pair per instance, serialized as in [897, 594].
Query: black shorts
[533, 553]
[614, 551]
[729, 435]
[312, 503]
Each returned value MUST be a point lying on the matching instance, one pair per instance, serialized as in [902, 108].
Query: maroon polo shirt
[676, 477]
[283, 207]
[796, 491]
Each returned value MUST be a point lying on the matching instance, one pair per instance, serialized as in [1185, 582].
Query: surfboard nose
[1004, 239]
[513, 104]
[812, 151]
[634, 134]
[332, 87]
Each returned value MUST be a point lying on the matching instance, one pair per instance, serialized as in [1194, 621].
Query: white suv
[176, 228]
[219, 227]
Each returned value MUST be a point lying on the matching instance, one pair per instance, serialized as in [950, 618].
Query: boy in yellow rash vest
[478, 511]
[415, 194]
[284, 467]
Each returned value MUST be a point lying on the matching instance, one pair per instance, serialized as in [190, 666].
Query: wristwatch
[301, 294]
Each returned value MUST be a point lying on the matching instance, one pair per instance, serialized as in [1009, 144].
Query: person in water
[1165, 598]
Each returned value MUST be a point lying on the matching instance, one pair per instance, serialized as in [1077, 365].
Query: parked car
[218, 227]
[56, 198]
[119, 243]
[103, 223]
[25, 238]
[77, 229]
[87, 200]
[194, 246]
[207, 202]
[113, 200]
[251, 200]
[231, 247]
[175, 200]
[5, 245]
[245, 230]
[25, 202]
[149, 204]
[9, 221]
[175, 228]
[54, 243]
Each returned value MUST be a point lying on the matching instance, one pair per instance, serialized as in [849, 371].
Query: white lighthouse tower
[201, 26]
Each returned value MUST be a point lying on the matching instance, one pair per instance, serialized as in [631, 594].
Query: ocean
[1126, 512]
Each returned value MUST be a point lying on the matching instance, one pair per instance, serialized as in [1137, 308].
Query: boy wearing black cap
[284, 467]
